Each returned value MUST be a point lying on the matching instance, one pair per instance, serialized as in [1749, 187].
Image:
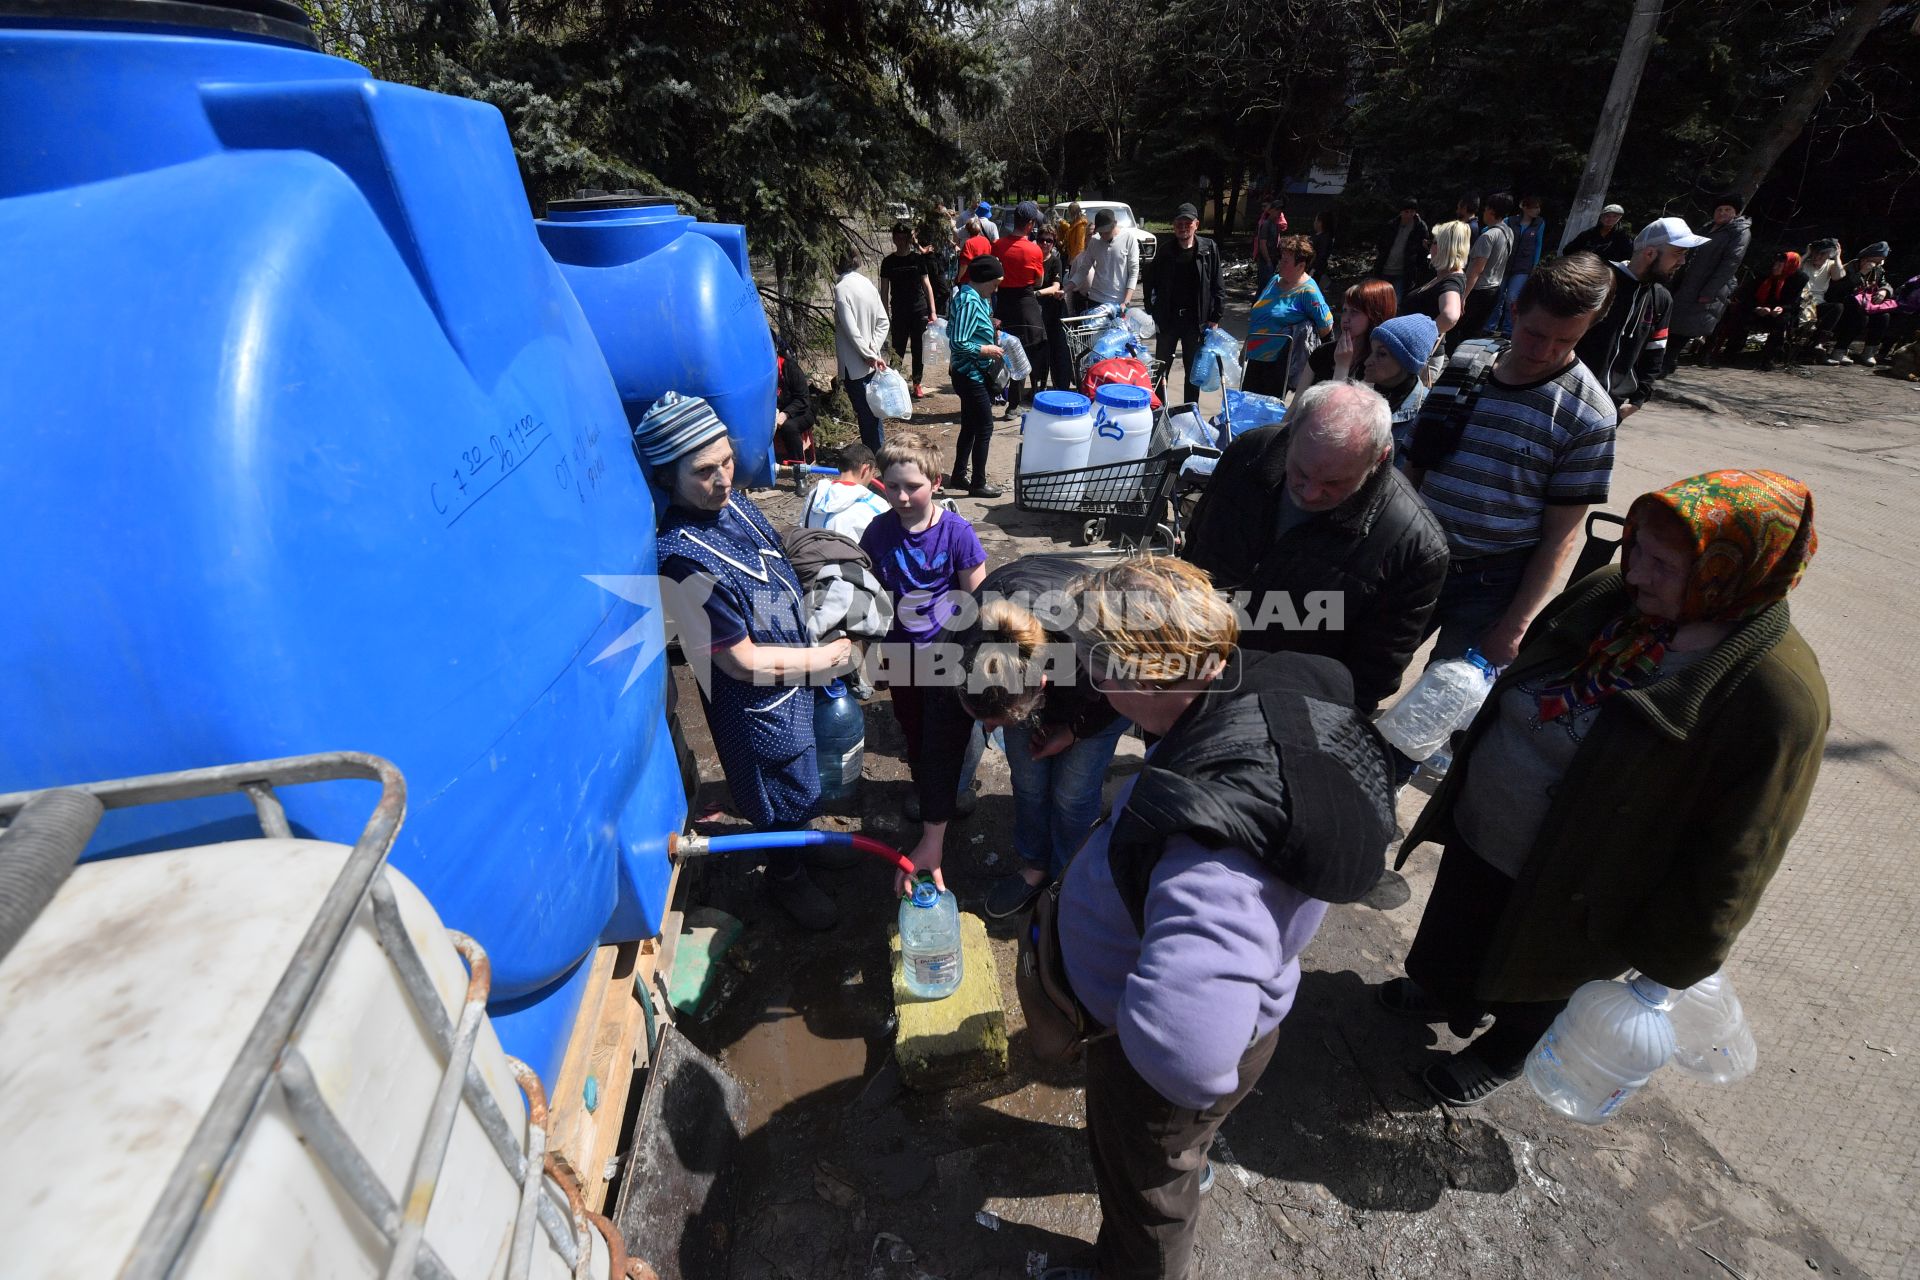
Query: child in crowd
[925, 556]
[846, 503]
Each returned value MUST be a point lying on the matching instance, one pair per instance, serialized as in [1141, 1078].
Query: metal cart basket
[1139, 496]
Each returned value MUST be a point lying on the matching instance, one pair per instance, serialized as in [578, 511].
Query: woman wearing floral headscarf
[1631, 782]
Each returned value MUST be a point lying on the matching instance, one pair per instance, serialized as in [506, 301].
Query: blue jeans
[1509, 298]
[1056, 801]
[1476, 593]
[872, 434]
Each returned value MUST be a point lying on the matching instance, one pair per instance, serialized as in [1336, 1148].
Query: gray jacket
[1709, 273]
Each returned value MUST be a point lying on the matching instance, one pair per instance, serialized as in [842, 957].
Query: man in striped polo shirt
[1513, 445]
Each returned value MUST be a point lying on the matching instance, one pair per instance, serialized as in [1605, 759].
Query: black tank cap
[595, 198]
[279, 20]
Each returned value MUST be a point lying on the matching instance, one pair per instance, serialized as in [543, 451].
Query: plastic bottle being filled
[930, 958]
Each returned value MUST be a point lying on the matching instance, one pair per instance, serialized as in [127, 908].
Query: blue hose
[695, 846]
[776, 840]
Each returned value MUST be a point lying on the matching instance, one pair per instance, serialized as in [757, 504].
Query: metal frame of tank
[269, 1059]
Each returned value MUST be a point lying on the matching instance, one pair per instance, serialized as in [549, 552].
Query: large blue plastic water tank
[673, 302]
[310, 447]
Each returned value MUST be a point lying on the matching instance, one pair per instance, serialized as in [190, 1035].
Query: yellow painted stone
[962, 1038]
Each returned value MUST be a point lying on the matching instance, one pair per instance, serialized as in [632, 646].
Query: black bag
[1058, 1025]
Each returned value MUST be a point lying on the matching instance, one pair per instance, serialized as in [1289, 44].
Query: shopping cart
[1140, 497]
[1085, 330]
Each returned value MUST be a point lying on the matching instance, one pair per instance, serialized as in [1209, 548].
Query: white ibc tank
[121, 1012]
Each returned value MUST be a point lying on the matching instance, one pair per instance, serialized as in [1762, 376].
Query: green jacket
[1673, 815]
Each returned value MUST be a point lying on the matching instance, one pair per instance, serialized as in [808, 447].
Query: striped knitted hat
[674, 426]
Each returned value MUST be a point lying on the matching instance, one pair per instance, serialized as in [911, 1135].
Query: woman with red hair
[1368, 305]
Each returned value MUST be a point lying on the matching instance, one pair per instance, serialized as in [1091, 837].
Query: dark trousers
[910, 336]
[1147, 1158]
[872, 434]
[1469, 897]
[1474, 314]
[1188, 344]
[976, 432]
[1266, 377]
[1857, 324]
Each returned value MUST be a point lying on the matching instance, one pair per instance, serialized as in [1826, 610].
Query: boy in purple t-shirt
[923, 555]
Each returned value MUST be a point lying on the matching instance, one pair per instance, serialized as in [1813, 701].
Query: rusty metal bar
[194, 1181]
[432, 1152]
[322, 1130]
[273, 815]
[520, 1254]
[426, 998]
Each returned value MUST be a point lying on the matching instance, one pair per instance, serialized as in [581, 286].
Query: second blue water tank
[673, 303]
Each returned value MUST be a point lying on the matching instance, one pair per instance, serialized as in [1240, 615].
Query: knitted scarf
[1752, 535]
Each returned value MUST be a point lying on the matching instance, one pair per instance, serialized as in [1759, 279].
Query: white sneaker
[1870, 362]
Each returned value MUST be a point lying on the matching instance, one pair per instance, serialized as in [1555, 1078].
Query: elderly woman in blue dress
[729, 563]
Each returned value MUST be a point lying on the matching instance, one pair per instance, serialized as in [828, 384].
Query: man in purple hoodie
[1183, 917]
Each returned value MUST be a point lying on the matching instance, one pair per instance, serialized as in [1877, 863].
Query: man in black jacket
[1401, 255]
[1327, 548]
[1184, 291]
[1627, 345]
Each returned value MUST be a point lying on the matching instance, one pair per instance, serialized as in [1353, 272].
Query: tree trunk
[1229, 223]
[1614, 114]
[1791, 118]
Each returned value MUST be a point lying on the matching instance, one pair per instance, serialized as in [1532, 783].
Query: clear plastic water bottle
[1436, 765]
[840, 741]
[1015, 354]
[930, 959]
[1711, 1038]
[934, 344]
[1604, 1046]
[1446, 696]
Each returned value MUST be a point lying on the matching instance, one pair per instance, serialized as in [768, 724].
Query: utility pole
[1613, 119]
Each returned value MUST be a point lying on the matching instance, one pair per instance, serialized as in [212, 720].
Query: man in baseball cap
[1627, 346]
[1607, 237]
[1185, 293]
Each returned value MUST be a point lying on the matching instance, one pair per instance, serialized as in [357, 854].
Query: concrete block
[963, 1038]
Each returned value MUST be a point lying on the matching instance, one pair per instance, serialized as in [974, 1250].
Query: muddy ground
[1337, 1166]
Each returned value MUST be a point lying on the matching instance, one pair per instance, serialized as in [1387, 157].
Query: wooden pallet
[608, 1045]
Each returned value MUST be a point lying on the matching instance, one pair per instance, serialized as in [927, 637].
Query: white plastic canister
[1055, 435]
[1124, 424]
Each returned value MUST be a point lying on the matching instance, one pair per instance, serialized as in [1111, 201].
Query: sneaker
[1010, 895]
[986, 491]
[918, 394]
[1870, 362]
[805, 902]
[1842, 358]
[1206, 1178]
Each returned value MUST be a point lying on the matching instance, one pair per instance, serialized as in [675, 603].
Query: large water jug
[1014, 353]
[934, 343]
[1444, 698]
[1711, 1038]
[674, 305]
[889, 396]
[1141, 322]
[840, 735]
[930, 955]
[1217, 367]
[1606, 1043]
[349, 473]
[1123, 425]
[1055, 435]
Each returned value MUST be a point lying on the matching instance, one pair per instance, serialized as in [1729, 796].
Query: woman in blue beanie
[1397, 357]
[739, 609]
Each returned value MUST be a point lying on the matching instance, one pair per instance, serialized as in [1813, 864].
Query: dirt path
[1336, 1167]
